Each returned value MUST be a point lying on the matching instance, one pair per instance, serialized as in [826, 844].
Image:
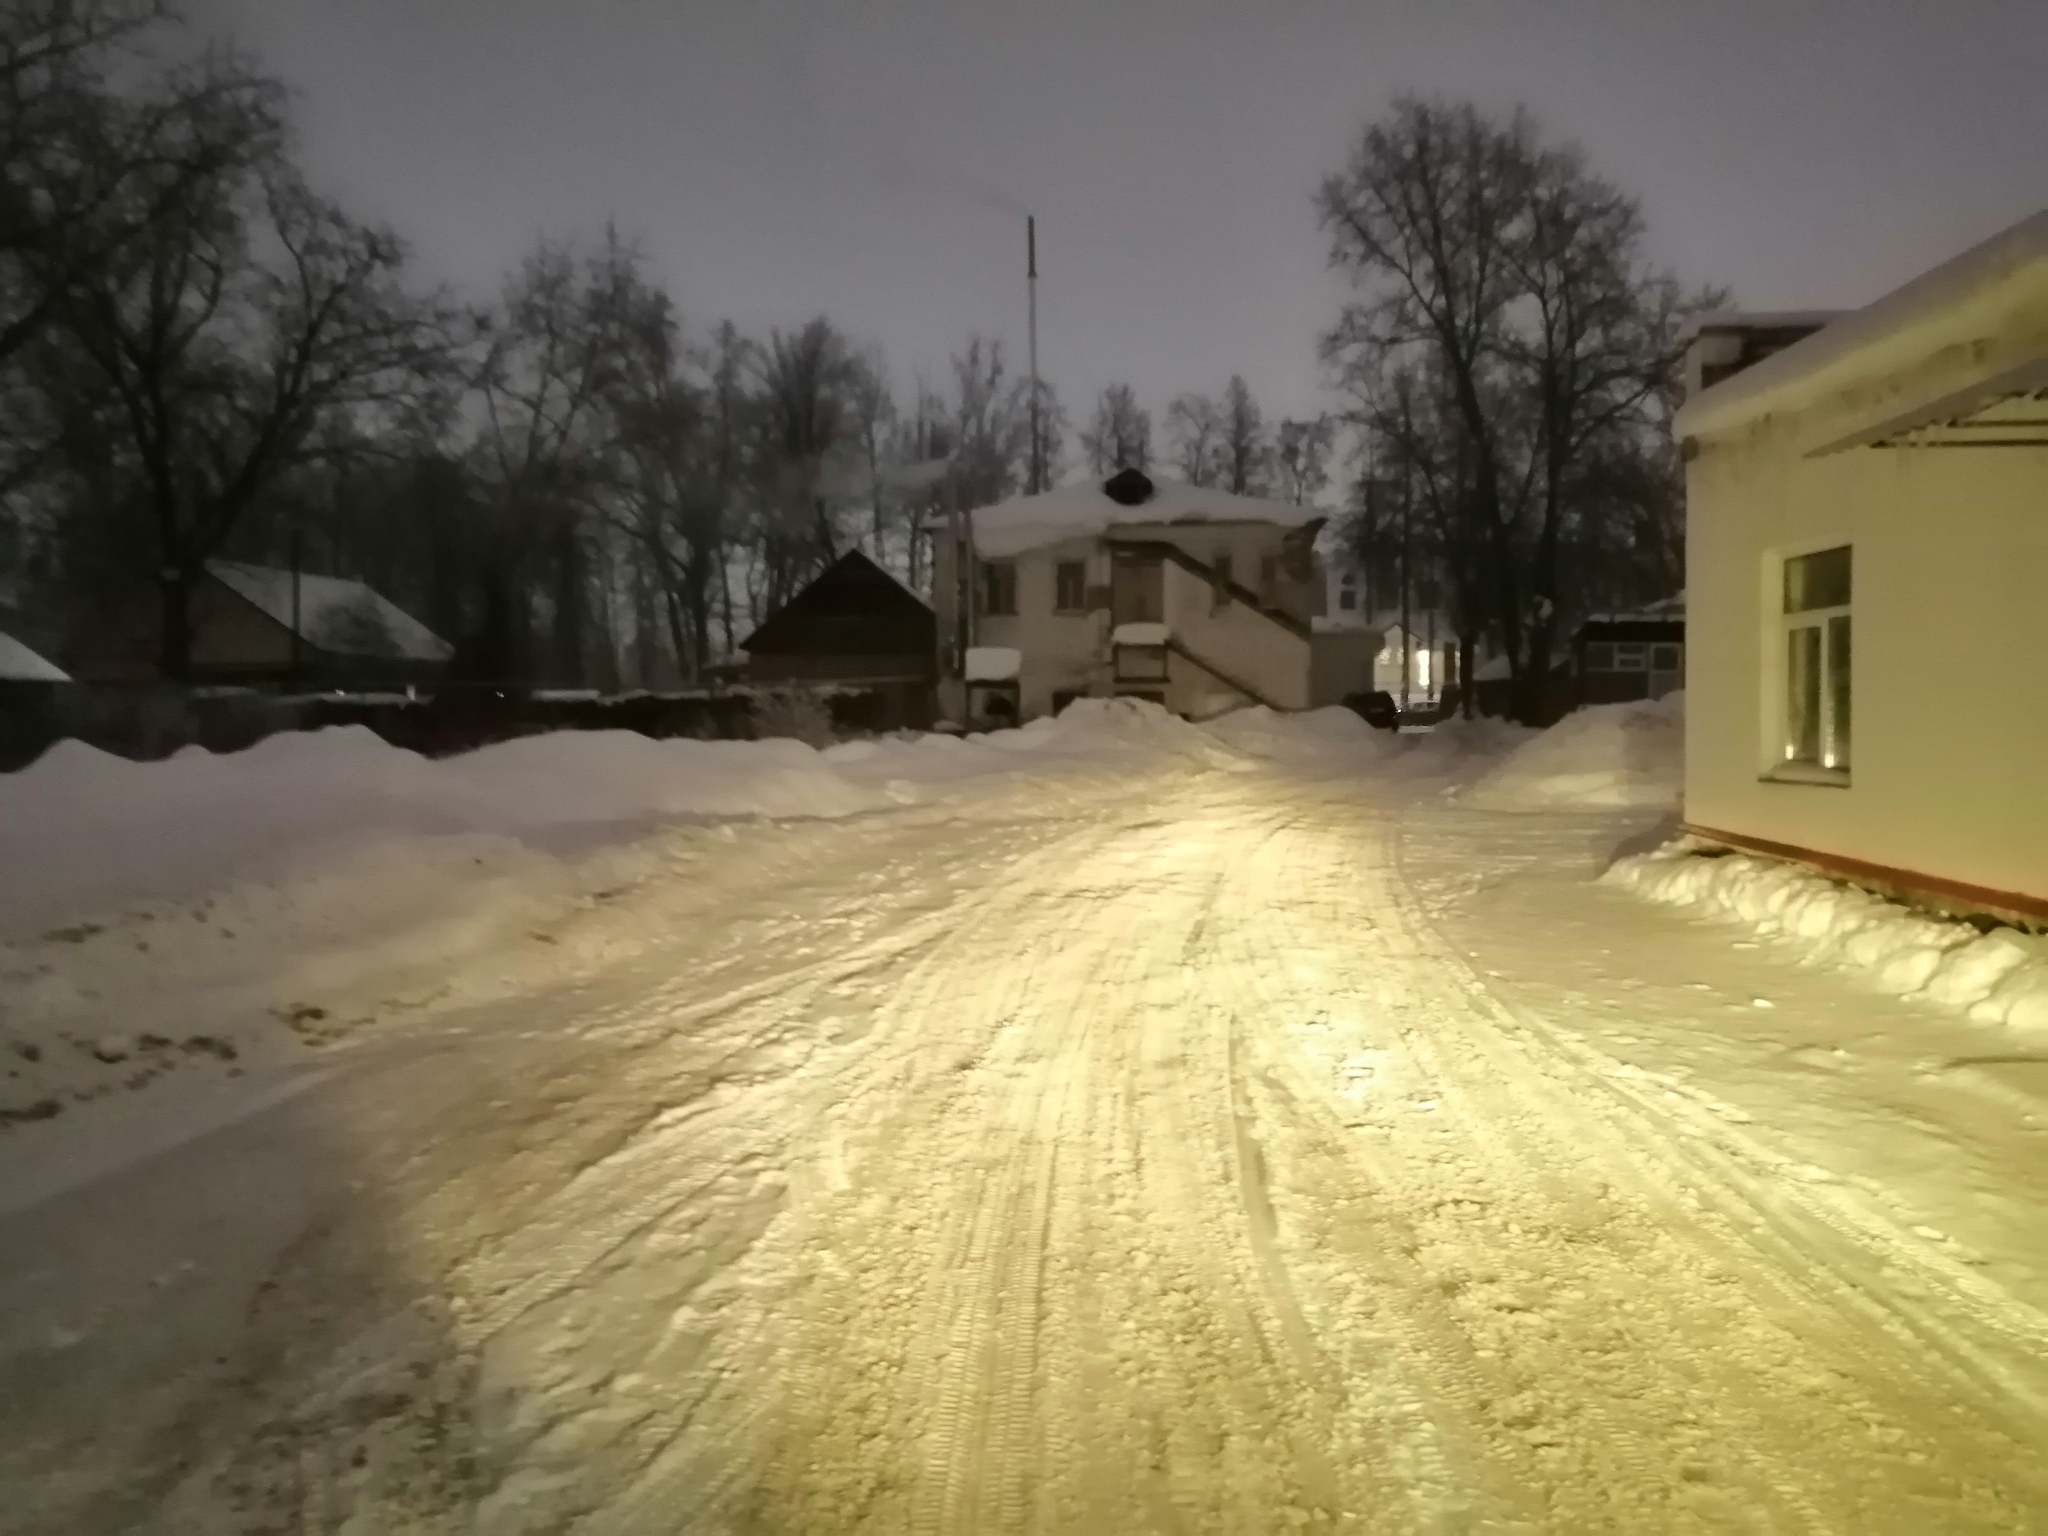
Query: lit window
[1816, 651]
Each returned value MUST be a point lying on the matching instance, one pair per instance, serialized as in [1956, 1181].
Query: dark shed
[856, 626]
[1619, 659]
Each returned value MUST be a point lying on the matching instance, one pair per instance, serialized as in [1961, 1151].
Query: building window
[999, 589]
[1599, 656]
[1816, 651]
[1663, 658]
[1631, 656]
[1347, 593]
[1070, 586]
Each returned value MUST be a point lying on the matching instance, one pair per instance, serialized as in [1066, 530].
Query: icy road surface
[1224, 1151]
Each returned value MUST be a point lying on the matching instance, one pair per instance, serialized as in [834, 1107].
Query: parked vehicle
[1377, 709]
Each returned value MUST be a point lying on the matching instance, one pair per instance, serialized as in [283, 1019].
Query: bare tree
[86, 170]
[548, 376]
[991, 426]
[1120, 436]
[874, 413]
[1507, 333]
[1243, 451]
[806, 377]
[1195, 428]
[257, 331]
[1301, 458]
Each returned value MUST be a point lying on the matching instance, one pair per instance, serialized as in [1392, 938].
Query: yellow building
[1867, 569]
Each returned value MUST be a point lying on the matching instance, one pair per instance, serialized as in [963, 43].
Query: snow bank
[1605, 755]
[82, 830]
[2000, 977]
[1267, 733]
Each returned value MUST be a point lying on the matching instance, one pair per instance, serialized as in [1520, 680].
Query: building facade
[1867, 538]
[1193, 598]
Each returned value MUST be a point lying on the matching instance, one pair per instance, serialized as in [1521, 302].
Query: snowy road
[1225, 1152]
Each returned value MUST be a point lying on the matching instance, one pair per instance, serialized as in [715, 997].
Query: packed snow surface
[1602, 755]
[1107, 1126]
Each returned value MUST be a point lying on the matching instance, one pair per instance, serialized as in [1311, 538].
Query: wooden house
[854, 626]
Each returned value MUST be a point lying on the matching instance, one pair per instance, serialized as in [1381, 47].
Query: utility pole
[1031, 285]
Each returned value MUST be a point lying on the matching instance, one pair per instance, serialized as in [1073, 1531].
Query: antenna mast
[1031, 283]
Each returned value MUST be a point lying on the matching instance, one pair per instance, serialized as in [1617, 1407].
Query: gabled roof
[1088, 510]
[854, 608]
[19, 664]
[337, 616]
[1955, 304]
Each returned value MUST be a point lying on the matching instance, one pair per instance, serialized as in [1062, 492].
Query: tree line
[1511, 361]
[202, 356]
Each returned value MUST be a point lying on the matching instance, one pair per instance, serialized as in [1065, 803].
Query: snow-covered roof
[1139, 634]
[1832, 350]
[19, 664]
[993, 663]
[1759, 320]
[1087, 511]
[341, 617]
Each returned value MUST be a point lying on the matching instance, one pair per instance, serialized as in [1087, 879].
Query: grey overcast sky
[873, 161]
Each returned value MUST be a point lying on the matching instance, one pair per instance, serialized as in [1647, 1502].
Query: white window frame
[1833, 648]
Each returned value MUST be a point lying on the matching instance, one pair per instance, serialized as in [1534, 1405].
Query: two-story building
[1145, 587]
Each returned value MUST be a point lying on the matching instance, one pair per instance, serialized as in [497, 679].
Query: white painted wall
[1950, 627]
[1240, 642]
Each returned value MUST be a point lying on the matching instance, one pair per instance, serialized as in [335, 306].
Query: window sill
[1806, 773]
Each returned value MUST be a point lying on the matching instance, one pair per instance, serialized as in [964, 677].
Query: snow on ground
[196, 919]
[1602, 755]
[1105, 1126]
[1998, 977]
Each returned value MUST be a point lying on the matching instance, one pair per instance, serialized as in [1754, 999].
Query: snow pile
[81, 830]
[1263, 732]
[1605, 755]
[2000, 977]
[1118, 728]
[1458, 745]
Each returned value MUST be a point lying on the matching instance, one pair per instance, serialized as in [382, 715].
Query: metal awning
[2008, 410]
